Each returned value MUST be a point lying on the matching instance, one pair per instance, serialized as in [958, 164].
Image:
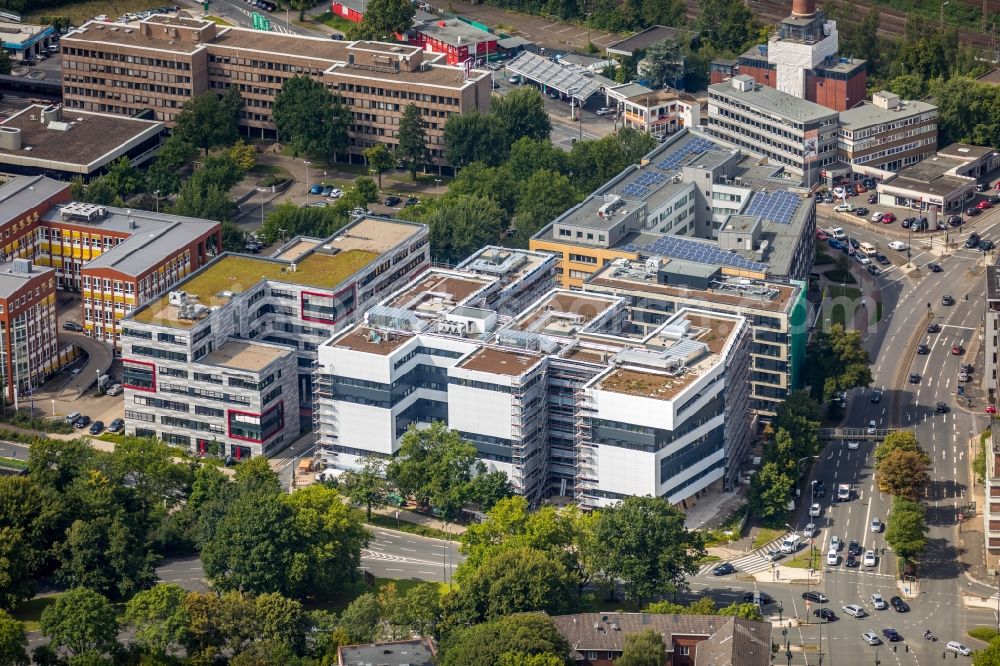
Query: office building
[155, 67]
[29, 349]
[230, 350]
[801, 59]
[777, 312]
[598, 639]
[990, 382]
[887, 134]
[117, 258]
[692, 198]
[566, 397]
[658, 112]
[40, 140]
[939, 183]
[787, 130]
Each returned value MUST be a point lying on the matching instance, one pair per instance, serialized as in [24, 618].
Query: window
[139, 375]
[254, 427]
[684, 650]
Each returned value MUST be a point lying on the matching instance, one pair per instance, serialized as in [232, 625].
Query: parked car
[972, 212]
[839, 192]
[723, 569]
[411, 201]
[96, 427]
[843, 208]
[984, 204]
[817, 597]
[891, 634]
[116, 426]
[854, 610]
[955, 220]
[871, 638]
[326, 191]
[872, 198]
[815, 509]
[316, 189]
[605, 111]
[114, 389]
[899, 605]
[888, 218]
[81, 422]
[392, 201]
[336, 193]
[72, 326]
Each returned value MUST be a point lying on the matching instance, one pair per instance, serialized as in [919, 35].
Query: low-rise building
[692, 198]
[564, 397]
[660, 112]
[934, 184]
[24, 41]
[40, 140]
[283, 307]
[457, 40]
[415, 652]
[777, 311]
[788, 130]
[887, 134]
[598, 639]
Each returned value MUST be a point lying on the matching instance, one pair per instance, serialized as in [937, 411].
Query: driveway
[99, 357]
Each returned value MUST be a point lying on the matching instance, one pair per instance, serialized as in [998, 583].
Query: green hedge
[985, 634]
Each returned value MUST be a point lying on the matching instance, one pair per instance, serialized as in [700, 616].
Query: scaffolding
[585, 481]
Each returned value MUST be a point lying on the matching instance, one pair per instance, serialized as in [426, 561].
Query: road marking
[966, 328]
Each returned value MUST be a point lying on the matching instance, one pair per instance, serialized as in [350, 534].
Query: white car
[836, 543]
[876, 216]
[853, 446]
[869, 560]
[336, 193]
[876, 525]
[878, 602]
[872, 427]
[871, 638]
[862, 259]
[605, 111]
[854, 610]
[815, 509]
[839, 192]
[114, 389]
[843, 208]
[955, 646]
[832, 558]
[898, 245]
[810, 531]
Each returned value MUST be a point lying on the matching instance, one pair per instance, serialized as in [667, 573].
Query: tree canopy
[412, 148]
[384, 19]
[311, 118]
[206, 121]
[81, 621]
[644, 648]
[486, 644]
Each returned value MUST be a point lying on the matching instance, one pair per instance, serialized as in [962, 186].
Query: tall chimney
[803, 8]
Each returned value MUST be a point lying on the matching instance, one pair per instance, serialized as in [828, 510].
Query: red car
[991, 410]
[888, 218]
[984, 204]
[820, 235]
[860, 188]
[956, 350]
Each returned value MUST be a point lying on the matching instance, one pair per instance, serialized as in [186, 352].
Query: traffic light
[204, 5]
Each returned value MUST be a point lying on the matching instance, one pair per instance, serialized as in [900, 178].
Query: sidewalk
[407, 516]
[971, 540]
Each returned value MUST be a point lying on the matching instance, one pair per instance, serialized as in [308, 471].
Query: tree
[302, 6]
[212, 202]
[592, 163]
[16, 584]
[903, 440]
[645, 648]
[770, 490]
[745, 611]
[412, 147]
[6, 64]
[726, 24]
[837, 362]
[158, 619]
[489, 488]
[13, 641]
[906, 528]
[643, 542]
[365, 189]
[384, 19]
[56, 463]
[909, 86]
[475, 137]
[368, 486]
[543, 197]
[80, 621]
[664, 12]
[243, 155]
[422, 608]
[519, 580]
[311, 118]
[521, 113]
[459, 225]
[434, 466]
[529, 155]
[206, 122]
[146, 464]
[521, 659]
[164, 174]
[988, 656]
[278, 619]
[360, 620]
[903, 473]
[663, 63]
[482, 644]
[380, 159]
[494, 183]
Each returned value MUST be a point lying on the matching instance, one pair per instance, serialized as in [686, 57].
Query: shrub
[985, 634]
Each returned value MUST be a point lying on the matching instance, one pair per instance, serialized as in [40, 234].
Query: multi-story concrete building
[250, 317]
[801, 59]
[777, 313]
[784, 128]
[887, 134]
[991, 349]
[118, 258]
[29, 349]
[566, 397]
[155, 66]
[695, 199]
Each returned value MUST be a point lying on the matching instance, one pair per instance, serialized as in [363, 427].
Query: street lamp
[53, 407]
[307, 163]
[877, 662]
[261, 190]
[156, 194]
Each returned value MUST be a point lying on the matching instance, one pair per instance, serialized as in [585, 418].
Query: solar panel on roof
[776, 207]
[691, 250]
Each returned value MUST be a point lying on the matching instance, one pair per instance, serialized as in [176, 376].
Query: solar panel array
[678, 247]
[695, 145]
[640, 187]
[635, 190]
[568, 79]
[777, 207]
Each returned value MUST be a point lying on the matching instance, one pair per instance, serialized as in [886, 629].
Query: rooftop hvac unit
[177, 298]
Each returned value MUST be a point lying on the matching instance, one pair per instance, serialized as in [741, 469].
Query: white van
[791, 544]
[868, 249]
[838, 233]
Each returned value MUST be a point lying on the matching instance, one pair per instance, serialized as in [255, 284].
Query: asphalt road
[238, 13]
[391, 554]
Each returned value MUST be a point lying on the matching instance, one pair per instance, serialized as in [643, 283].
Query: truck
[843, 492]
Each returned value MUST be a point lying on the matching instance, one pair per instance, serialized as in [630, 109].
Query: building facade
[565, 397]
[29, 349]
[456, 40]
[789, 130]
[155, 67]
[887, 134]
[254, 324]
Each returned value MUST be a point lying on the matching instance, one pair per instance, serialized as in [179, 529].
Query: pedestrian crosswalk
[750, 563]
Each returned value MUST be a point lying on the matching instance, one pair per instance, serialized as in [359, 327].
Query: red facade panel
[352, 15]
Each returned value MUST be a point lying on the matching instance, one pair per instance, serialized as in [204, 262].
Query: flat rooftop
[246, 355]
[437, 291]
[646, 38]
[12, 279]
[868, 114]
[122, 34]
[79, 138]
[296, 248]
[500, 362]
[364, 338]
[563, 313]
[330, 50]
[18, 33]
[235, 273]
[842, 65]
[993, 283]
[22, 193]
[416, 652]
[772, 101]
[507, 264]
[372, 234]
[454, 32]
[965, 151]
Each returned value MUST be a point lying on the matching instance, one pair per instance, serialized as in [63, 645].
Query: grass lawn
[30, 612]
[766, 536]
[13, 463]
[709, 558]
[836, 275]
[388, 522]
[270, 170]
[334, 21]
[802, 560]
[219, 21]
[838, 304]
[79, 11]
[355, 590]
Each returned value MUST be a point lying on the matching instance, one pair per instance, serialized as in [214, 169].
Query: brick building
[29, 349]
[155, 67]
[887, 134]
[456, 40]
